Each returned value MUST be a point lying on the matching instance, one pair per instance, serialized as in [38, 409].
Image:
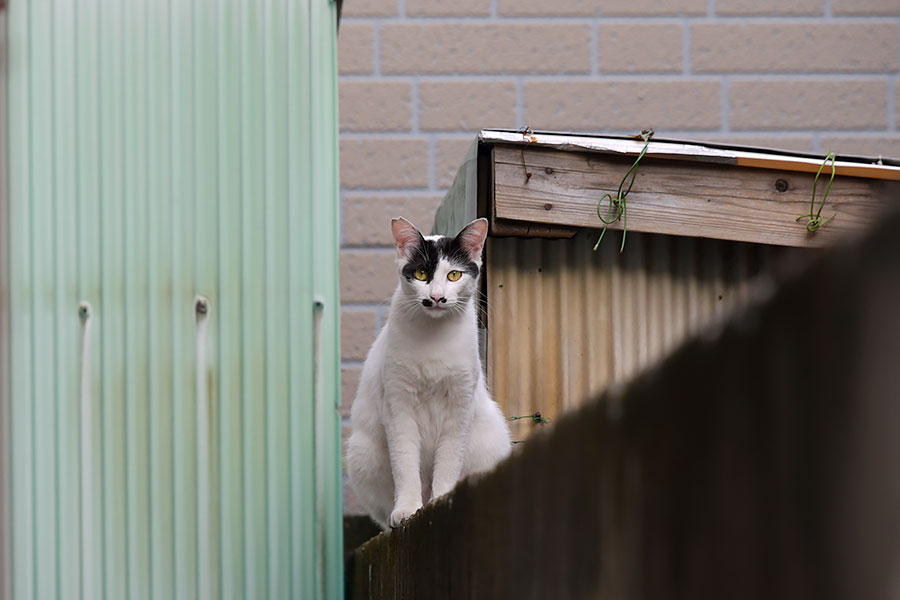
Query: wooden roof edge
[744, 156]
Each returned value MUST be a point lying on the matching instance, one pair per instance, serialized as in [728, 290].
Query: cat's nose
[438, 299]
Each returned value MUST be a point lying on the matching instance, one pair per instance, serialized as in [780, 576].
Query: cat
[422, 419]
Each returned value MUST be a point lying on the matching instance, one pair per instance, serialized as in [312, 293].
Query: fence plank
[681, 198]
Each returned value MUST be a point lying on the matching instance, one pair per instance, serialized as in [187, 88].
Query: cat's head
[438, 274]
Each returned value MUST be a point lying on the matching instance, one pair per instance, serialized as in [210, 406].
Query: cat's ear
[471, 238]
[406, 237]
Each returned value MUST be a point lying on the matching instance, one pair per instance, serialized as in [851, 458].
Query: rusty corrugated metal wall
[564, 321]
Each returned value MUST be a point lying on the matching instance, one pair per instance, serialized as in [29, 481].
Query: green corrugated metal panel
[5, 466]
[170, 300]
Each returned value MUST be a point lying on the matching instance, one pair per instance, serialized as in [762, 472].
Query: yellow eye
[454, 275]
[420, 275]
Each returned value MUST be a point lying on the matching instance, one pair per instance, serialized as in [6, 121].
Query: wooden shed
[704, 222]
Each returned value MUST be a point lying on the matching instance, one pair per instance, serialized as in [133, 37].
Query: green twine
[617, 208]
[535, 418]
[815, 217]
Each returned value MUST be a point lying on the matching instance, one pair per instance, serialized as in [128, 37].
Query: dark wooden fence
[760, 461]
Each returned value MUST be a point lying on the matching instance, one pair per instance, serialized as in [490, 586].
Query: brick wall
[418, 78]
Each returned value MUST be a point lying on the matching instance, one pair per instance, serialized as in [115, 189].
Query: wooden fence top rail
[723, 154]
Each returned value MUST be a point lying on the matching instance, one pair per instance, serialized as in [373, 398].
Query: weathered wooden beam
[757, 463]
[509, 228]
[681, 197]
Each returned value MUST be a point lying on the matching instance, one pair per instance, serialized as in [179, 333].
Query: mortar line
[557, 20]
[663, 75]
[384, 193]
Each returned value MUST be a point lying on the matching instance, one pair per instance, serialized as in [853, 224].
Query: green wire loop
[815, 217]
[617, 207]
[536, 418]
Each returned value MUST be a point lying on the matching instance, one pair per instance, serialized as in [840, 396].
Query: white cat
[422, 418]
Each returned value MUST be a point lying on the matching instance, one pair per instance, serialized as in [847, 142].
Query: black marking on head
[430, 252]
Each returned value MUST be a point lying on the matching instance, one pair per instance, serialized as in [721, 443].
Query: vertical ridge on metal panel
[22, 554]
[325, 239]
[5, 400]
[192, 166]
[252, 269]
[42, 305]
[67, 323]
[160, 321]
[111, 309]
[231, 246]
[202, 244]
[277, 308]
[300, 189]
[137, 524]
[87, 124]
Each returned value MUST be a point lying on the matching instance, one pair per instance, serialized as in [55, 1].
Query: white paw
[402, 513]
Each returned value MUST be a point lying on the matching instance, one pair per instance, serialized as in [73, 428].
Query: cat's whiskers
[483, 300]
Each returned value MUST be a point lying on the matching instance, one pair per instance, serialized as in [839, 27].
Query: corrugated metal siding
[5, 494]
[564, 322]
[168, 436]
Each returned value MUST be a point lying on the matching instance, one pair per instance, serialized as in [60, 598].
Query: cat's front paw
[401, 514]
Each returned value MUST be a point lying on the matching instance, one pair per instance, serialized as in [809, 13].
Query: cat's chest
[435, 368]
[435, 374]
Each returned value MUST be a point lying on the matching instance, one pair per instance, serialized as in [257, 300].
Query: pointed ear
[472, 237]
[406, 237]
